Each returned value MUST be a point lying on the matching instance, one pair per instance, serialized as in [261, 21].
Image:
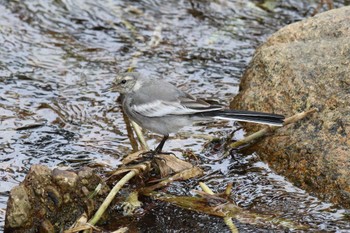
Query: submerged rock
[47, 201]
[305, 65]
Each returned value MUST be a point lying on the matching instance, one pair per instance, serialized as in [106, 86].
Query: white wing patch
[160, 108]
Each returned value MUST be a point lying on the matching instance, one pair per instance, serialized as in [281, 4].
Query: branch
[140, 136]
[227, 219]
[111, 196]
[269, 129]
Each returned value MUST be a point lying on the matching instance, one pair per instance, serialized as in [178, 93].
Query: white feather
[160, 108]
[244, 120]
[137, 85]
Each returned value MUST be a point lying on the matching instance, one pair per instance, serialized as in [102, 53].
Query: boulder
[302, 66]
[47, 200]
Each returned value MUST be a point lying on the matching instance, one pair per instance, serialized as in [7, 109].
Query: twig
[268, 129]
[227, 219]
[86, 227]
[121, 230]
[228, 189]
[205, 188]
[111, 196]
[299, 116]
[329, 3]
[251, 137]
[230, 224]
[81, 223]
[140, 136]
[96, 191]
[182, 175]
[130, 132]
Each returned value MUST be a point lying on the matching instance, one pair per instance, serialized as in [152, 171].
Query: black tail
[247, 116]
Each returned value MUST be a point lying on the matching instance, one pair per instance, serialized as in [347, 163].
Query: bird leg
[150, 154]
[159, 148]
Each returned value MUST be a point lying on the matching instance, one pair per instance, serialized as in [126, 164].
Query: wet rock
[66, 180]
[39, 177]
[54, 196]
[20, 206]
[46, 227]
[48, 201]
[86, 175]
[305, 65]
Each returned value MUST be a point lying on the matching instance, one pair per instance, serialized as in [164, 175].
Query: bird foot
[150, 154]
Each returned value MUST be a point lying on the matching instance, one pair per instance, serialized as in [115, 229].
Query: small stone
[46, 227]
[85, 191]
[85, 175]
[66, 198]
[39, 177]
[66, 180]
[54, 196]
[85, 172]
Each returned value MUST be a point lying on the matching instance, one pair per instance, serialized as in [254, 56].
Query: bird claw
[152, 153]
[148, 155]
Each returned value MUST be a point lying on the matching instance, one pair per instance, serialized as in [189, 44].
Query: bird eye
[123, 81]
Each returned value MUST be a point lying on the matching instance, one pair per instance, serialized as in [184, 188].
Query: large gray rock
[305, 65]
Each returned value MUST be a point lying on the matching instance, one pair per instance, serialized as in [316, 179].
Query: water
[56, 56]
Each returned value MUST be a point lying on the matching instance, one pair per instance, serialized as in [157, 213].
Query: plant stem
[111, 196]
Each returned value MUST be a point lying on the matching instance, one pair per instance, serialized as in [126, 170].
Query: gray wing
[158, 99]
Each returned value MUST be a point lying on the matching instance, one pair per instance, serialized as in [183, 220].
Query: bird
[162, 108]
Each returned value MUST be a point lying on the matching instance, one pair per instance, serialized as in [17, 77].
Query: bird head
[126, 82]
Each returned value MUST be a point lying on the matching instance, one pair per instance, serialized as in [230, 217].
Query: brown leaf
[170, 164]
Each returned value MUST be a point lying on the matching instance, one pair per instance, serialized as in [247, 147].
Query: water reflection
[56, 56]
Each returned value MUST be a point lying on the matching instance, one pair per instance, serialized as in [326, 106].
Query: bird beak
[107, 89]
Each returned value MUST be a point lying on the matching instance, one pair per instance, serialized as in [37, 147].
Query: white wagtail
[162, 108]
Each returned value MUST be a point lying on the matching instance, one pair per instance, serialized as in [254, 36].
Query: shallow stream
[57, 56]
